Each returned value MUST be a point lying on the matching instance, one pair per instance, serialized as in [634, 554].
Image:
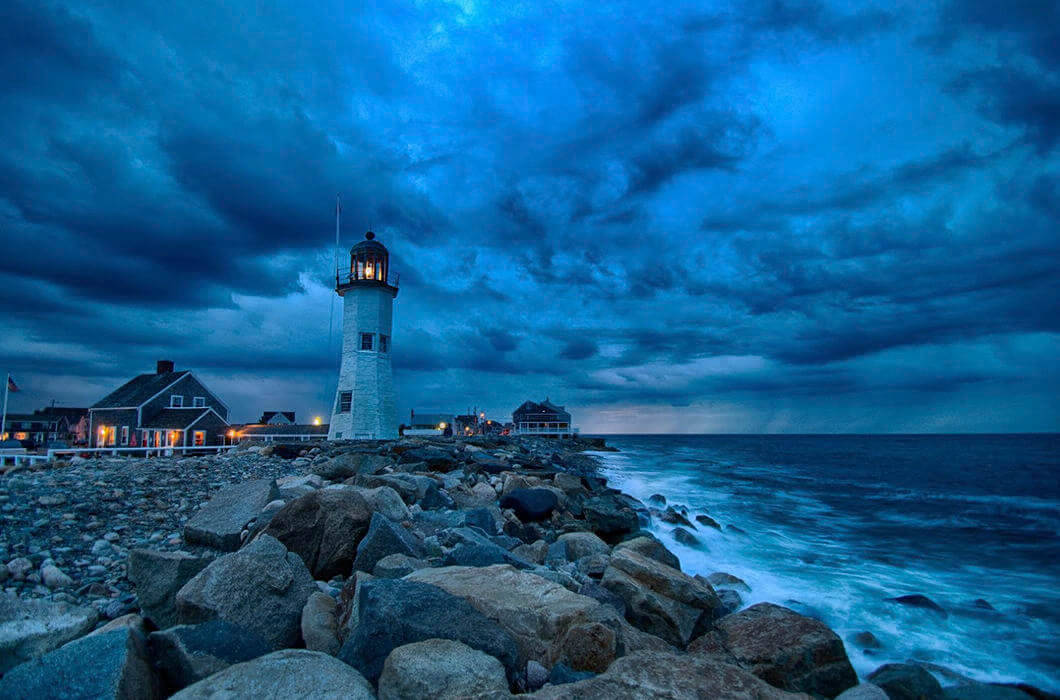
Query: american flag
[11, 386]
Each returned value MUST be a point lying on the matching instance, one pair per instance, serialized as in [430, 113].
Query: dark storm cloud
[617, 204]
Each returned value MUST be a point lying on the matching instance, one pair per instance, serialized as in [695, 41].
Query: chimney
[164, 367]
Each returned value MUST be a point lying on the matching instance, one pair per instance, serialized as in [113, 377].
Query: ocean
[831, 526]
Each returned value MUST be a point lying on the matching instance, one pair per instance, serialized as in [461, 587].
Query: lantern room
[369, 266]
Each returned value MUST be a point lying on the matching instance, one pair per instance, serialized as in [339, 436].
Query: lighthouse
[364, 399]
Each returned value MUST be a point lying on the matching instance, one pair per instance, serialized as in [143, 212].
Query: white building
[364, 399]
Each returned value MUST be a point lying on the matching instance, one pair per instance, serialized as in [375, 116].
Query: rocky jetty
[414, 568]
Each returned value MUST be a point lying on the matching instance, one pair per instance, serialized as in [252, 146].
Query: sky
[752, 216]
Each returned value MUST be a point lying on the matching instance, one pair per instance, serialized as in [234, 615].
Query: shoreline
[450, 513]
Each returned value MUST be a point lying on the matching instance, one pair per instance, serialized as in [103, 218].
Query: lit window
[345, 401]
[366, 341]
[199, 402]
[176, 401]
[384, 343]
[199, 438]
[125, 435]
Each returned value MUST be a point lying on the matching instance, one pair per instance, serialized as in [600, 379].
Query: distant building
[277, 418]
[430, 423]
[164, 409]
[545, 419]
[71, 423]
[30, 429]
[286, 432]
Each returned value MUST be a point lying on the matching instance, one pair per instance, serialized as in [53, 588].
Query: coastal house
[164, 409]
[30, 429]
[277, 418]
[71, 424]
[429, 423]
[544, 419]
[284, 432]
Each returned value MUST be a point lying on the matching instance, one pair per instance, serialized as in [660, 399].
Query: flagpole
[7, 387]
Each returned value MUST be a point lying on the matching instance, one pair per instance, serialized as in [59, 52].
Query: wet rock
[262, 587]
[988, 691]
[866, 640]
[863, 691]
[783, 648]
[982, 604]
[220, 522]
[531, 505]
[649, 546]
[384, 537]
[666, 675]
[440, 668]
[323, 528]
[916, 600]
[610, 517]
[720, 579]
[29, 628]
[392, 613]
[319, 624]
[157, 577]
[186, 654]
[685, 537]
[659, 599]
[730, 600]
[906, 682]
[708, 521]
[281, 675]
[111, 665]
[672, 516]
[657, 500]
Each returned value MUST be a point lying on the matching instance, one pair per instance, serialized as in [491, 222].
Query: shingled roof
[138, 390]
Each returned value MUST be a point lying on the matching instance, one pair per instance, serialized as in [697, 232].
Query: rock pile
[405, 569]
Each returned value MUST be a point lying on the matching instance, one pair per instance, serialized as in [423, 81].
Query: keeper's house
[544, 419]
[164, 409]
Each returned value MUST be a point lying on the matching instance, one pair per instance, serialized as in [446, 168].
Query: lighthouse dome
[369, 266]
[369, 245]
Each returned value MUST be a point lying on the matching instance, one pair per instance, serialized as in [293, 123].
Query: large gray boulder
[109, 665]
[323, 528]
[282, 675]
[262, 587]
[350, 464]
[157, 577]
[783, 648]
[320, 624]
[659, 599]
[384, 500]
[610, 516]
[649, 546]
[667, 675]
[30, 627]
[906, 682]
[583, 544]
[220, 523]
[440, 668]
[186, 654]
[385, 537]
[390, 613]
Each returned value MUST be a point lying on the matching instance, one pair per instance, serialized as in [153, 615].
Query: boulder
[730, 600]
[439, 668]
[531, 505]
[916, 600]
[350, 464]
[863, 691]
[708, 521]
[532, 552]
[597, 592]
[685, 537]
[220, 523]
[983, 691]
[720, 579]
[397, 565]
[482, 518]
[291, 487]
[435, 459]
[649, 546]
[262, 587]
[281, 675]
[186, 654]
[391, 613]
[320, 624]
[157, 577]
[583, 544]
[590, 646]
[323, 528]
[906, 682]
[562, 673]
[674, 517]
[387, 501]
[667, 675]
[54, 577]
[537, 613]
[783, 648]
[30, 627]
[110, 665]
[483, 554]
[610, 517]
[569, 483]
[660, 599]
[866, 640]
[384, 537]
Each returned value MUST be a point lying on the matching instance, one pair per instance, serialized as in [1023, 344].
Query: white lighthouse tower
[364, 400]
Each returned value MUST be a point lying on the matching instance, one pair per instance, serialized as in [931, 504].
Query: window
[345, 401]
[176, 401]
[199, 402]
[199, 438]
[366, 341]
[384, 343]
[338, 436]
[125, 435]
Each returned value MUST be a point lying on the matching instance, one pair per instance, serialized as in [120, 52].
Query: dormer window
[176, 401]
[199, 402]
